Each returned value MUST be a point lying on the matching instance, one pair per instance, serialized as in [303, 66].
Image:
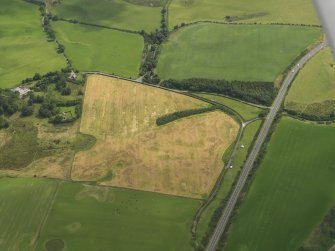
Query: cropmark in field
[182, 158]
[92, 218]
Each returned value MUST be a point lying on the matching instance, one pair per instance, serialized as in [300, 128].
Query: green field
[233, 52]
[23, 206]
[316, 81]
[265, 11]
[133, 15]
[151, 3]
[322, 236]
[292, 191]
[95, 49]
[229, 178]
[247, 112]
[312, 94]
[23, 44]
[98, 218]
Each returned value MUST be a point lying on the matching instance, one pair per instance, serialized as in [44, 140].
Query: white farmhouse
[22, 90]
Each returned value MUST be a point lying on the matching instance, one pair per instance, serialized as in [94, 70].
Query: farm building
[72, 75]
[22, 90]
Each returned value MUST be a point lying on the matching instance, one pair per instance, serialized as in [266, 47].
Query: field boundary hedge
[182, 25]
[75, 21]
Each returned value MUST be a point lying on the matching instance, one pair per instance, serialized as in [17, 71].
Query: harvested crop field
[185, 156]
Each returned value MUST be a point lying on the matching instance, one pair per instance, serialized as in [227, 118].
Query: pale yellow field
[120, 108]
[180, 158]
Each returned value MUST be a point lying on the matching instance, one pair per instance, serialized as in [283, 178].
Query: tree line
[182, 114]
[256, 92]
[153, 41]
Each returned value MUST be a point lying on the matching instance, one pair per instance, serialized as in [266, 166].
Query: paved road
[222, 223]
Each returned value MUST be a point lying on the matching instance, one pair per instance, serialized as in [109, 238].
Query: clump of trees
[263, 114]
[255, 92]
[59, 78]
[60, 48]
[27, 110]
[9, 102]
[50, 109]
[176, 27]
[182, 114]
[47, 109]
[3, 122]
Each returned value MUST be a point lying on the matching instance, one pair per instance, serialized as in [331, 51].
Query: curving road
[222, 223]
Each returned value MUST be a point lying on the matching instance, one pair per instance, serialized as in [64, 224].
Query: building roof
[22, 90]
[73, 75]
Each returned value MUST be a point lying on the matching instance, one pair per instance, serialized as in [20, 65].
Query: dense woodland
[255, 92]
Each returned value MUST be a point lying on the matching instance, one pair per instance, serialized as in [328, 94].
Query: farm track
[224, 219]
